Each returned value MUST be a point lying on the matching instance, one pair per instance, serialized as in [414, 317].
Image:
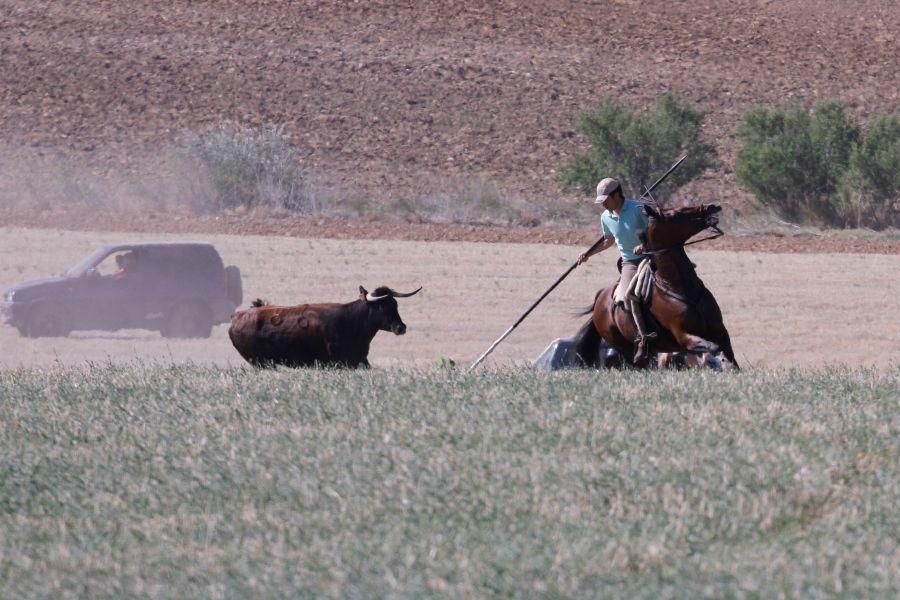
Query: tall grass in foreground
[196, 481]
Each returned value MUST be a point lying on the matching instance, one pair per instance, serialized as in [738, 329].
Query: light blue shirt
[625, 227]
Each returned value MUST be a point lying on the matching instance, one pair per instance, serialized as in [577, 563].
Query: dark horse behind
[684, 313]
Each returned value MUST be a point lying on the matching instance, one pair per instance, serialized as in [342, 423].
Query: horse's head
[672, 228]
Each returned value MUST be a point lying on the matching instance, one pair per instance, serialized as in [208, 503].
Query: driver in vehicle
[127, 263]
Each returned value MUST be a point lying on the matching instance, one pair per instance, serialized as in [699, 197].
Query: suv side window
[116, 264]
[184, 262]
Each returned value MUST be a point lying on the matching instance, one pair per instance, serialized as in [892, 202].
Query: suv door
[109, 297]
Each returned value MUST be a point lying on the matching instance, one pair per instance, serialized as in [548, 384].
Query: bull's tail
[259, 302]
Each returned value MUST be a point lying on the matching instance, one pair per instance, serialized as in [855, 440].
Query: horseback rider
[622, 222]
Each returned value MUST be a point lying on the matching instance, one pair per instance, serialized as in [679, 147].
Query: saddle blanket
[639, 288]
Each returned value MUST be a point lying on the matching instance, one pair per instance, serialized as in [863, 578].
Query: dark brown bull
[329, 334]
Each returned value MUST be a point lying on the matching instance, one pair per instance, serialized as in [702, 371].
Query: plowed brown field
[383, 99]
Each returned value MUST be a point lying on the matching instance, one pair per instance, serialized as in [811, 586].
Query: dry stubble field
[782, 310]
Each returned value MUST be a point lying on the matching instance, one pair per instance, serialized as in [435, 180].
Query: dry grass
[798, 310]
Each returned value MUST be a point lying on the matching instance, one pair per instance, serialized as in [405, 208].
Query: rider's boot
[643, 337]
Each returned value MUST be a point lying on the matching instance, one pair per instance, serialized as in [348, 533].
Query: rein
[717, 234]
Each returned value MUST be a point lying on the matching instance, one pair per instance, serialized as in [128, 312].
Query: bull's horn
[399, 295]
[371, 298]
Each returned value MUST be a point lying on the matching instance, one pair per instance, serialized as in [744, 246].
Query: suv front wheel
[44, 320]
[188, 320]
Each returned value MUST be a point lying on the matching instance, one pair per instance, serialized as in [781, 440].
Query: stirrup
[642, 352]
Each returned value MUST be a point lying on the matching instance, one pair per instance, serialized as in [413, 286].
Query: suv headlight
[8, 297]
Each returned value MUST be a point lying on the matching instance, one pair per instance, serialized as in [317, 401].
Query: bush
[793, 160]
[638, 148]
[814, 166]
[251, 167]
[871, 194]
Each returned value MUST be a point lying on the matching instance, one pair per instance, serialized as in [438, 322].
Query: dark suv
[180, 289]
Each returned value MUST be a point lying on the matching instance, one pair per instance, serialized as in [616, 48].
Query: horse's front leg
[695, 343]
[680, 321]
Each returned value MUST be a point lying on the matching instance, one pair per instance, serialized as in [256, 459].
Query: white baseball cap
[605, 188]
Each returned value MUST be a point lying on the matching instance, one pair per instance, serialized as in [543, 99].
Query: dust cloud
[48, 179]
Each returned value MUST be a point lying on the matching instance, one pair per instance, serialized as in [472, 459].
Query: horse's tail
[590, 309]
[587, 344]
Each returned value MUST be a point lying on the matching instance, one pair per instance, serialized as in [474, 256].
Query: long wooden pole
[531, 308]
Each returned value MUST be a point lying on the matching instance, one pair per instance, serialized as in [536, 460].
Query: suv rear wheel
[188, 320]
[233, 287]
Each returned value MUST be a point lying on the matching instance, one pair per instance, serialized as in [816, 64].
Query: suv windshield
[88, 262]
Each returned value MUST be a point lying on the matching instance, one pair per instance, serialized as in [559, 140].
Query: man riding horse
[684, 312]
[622, 222]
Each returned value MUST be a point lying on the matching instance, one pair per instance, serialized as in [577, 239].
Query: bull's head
[383, 308]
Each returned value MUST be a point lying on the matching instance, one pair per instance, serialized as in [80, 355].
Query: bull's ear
[651, 212]
[362, 293]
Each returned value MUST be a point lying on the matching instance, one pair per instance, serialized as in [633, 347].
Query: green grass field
[198, 481]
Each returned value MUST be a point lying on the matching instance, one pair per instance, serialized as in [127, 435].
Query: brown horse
[681, 309]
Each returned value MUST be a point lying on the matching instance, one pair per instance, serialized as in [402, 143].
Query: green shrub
[794, 159]
[637, 148]
[815, 166]
[251, 167]
[780, 164]
[870, 196]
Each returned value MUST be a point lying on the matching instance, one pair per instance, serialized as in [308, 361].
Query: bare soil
[349, 229]
[384, 99]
